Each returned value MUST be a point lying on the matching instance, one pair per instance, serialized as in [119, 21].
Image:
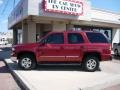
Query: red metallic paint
[64, 52]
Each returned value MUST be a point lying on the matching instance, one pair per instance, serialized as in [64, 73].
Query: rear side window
[75, 38]
[96, 37]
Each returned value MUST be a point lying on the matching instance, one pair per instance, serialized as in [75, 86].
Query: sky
[110, 5]
[5, 10]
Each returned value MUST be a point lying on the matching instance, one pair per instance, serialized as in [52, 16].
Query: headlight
[13, 49]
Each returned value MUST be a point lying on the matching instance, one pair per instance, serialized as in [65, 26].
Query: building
[6, 38]
[33, 18]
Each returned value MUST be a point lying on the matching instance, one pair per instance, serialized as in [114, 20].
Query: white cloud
[1, 2]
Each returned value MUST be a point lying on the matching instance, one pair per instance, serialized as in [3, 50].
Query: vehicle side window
[75, 38]
[96, 37]
[57, 38]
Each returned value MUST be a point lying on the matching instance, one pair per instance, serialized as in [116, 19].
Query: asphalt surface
[7, 81]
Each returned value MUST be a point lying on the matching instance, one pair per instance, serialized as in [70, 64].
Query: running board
[77, 64]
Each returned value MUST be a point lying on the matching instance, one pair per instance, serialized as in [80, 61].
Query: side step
[59, 64]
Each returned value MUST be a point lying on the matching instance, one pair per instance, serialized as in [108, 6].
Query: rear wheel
[91, 63]
[27, 62]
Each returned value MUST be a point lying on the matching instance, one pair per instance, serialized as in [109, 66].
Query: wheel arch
[97, 54]
[25, 53]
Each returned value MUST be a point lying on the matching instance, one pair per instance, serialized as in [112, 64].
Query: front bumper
[14, 59]
[13, 56]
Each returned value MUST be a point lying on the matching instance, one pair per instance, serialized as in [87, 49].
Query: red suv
[70, 47]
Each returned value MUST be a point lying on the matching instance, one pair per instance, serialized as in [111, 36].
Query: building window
[107, 33]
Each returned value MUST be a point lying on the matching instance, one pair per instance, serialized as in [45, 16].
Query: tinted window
[75, 38]
[96, 37]
[119, 44]
[57, 38]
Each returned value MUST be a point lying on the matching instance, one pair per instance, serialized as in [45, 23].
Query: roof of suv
[71, 31]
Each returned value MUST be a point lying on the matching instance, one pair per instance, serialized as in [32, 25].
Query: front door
[52, 50]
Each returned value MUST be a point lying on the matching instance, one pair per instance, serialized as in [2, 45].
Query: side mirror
[42, 43]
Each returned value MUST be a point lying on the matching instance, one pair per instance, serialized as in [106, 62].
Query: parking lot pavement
[68, 78]
[5, 52]
[116, 87]
[7, 82]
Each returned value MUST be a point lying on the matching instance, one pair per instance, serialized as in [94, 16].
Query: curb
[18, 77]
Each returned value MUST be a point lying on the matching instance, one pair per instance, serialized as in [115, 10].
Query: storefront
[32, 19]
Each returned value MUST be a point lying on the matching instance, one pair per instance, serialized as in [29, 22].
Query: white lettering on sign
[64, 6]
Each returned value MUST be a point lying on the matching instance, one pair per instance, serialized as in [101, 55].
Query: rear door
[74, 47]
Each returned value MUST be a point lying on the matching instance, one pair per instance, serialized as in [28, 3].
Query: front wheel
[91, 63]
[27, 62]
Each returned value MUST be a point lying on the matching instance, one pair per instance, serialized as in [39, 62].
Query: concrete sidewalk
[68, 79]
[7, 81]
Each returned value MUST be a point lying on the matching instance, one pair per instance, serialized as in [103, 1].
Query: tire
[27, 62]
[90, 63]
[116, 52]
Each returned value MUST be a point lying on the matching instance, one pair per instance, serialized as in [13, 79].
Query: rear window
[96, 37]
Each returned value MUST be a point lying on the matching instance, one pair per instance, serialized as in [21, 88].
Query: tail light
[108, 50]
